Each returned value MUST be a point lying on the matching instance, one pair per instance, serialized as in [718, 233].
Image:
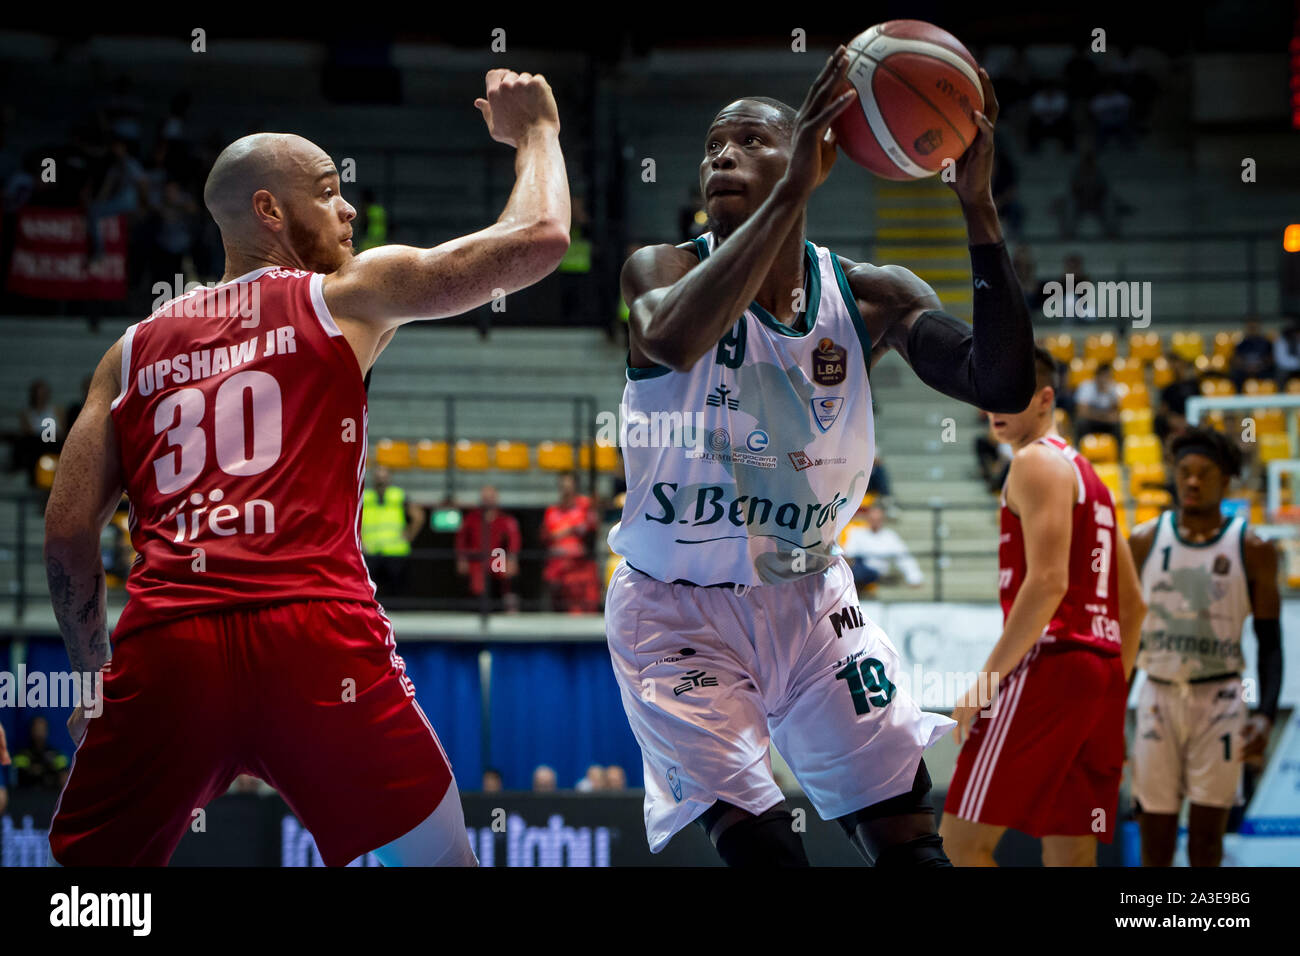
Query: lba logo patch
[825, 411]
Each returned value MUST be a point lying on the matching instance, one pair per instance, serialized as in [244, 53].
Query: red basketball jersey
[1089, 612]
[242, 431]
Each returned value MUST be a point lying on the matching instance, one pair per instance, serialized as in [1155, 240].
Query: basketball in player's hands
[919, 91]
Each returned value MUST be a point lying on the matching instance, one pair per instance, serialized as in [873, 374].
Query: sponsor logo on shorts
[674, 658]
[693, 680]
[848, 617]
[674, 783]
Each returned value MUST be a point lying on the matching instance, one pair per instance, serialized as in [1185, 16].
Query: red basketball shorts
[1049, 760]
[310, 696]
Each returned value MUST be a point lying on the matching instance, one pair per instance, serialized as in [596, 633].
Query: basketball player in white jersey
[1202, 576]
[733, 620]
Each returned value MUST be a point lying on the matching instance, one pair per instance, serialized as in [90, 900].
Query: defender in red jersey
[234, 418]
[1047, 754]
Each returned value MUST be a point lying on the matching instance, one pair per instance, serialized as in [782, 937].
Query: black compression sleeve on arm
[990, 363]
[1269, 635]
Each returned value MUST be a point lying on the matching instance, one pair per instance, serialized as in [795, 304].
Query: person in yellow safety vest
[374, 222]
[389, 523]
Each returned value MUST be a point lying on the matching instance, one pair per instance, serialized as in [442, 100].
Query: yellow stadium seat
[1219, 364]
[1121, 518]
[510, 456]
[1162, 373]
[1144, 346]
[1100, 448]
[1190, 345]
[1274, 447]
[608, 461]
[45, 466]
[471, 455]
[1100, 348]
[1293, 386]
[1155, 498]
[1129, 372]
[1224, 344]
[1215, 386]
[1259, 386]
[393, 453]
[555, 456]
[1062, 420]
[1145, 513]
[1214, 419]
[1136, 421]
[1110, 475]
[1145, 477]
[1142, 450]
[1080, 371]
[1134, 397]
[431, 454]
[1061, 347]
[1269, 421]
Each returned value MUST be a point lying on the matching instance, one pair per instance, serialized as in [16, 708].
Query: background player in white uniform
[733, 615]
[1202, 575]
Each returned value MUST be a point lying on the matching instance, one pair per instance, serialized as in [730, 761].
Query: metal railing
[23, 546]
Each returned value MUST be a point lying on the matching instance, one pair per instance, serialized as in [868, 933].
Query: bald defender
[234, 418]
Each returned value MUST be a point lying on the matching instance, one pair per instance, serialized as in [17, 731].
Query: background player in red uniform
[1048, 756]
[234, 418]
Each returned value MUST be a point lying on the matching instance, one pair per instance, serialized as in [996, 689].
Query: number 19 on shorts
[868, 684]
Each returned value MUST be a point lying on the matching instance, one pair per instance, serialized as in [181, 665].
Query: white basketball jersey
[1197, 600]
[778, 444]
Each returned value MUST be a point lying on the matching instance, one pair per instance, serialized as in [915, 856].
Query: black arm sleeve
[1269, 635]
[989, 364]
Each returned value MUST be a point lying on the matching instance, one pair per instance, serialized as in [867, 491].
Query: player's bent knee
[440, 840]
[745, 840]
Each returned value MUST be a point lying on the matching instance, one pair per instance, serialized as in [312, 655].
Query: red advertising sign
[51, 252]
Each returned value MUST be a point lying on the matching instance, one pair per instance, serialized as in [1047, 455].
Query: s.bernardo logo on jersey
[712, 505]
[825, 410]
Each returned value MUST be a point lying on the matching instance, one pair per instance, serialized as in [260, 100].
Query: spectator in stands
[1049, 118]
[1286, 353]
[492, 782]
[117, 193]
[40, 428]
[1253, 356]
[568, 529]
[1073, 264]
[692, 220]
[1006, 190]
[1171, 417]
[593, 780]
[1112, 115]
[1097, 405]
[488, 543]
[1027, 275]
[994, 458]
[74, 409]
[615, 777]
[389, 523]
[877, 553]
[543, 779]
[38, 765]
[878, 484]
[1090, 195]
[372, 222]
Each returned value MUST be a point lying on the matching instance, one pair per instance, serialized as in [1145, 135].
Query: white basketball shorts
[710, 677]
[1188, 745]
